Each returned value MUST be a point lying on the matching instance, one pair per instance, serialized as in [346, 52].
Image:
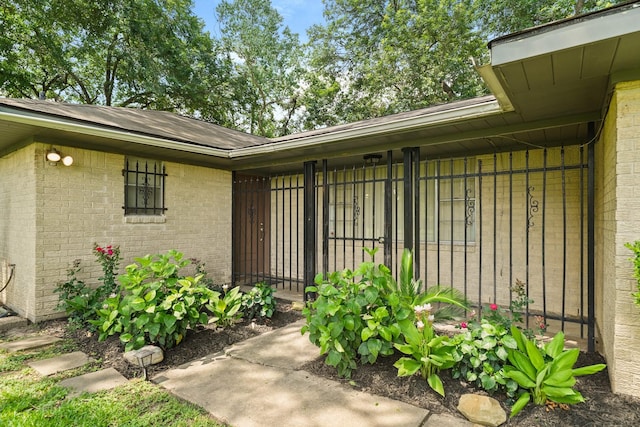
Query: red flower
[110, 252]
[98, 249]
[493, 307]
[463, 325]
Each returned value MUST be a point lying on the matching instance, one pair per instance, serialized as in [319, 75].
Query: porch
[479, 224]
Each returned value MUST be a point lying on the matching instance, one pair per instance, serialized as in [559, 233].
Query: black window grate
[143, 187]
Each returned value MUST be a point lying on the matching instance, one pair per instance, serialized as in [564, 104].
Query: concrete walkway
[259, 383]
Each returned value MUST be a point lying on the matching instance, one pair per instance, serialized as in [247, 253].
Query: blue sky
[298, 15]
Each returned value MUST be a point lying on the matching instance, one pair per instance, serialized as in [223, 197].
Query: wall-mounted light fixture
[54, 156]
[372, 159]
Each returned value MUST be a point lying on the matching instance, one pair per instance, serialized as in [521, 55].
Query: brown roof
[159, 124]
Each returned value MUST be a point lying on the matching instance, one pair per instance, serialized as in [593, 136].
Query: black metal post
[234, 226]
[408, 198]
[591, 338]
[388, 215]
[325, 217]
[310, 221]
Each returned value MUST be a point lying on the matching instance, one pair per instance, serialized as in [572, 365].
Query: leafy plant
[81, 301]
[155, 305]
[429, 352]
[408, 287]
[515, 314]
[349, 318]
[547, 373]
[480, 353]
[635, 247]
[259, 302]
[225, 307]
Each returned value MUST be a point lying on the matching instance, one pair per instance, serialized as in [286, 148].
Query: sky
[298, 15]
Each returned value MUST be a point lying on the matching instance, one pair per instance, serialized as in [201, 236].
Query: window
[450, 200]
[356, 203]
[143, 187]
[446, 194]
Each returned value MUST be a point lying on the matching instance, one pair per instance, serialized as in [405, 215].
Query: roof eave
[439, 118]
[100, 131]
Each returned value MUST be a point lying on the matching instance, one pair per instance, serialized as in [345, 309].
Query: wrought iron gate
[478, 224]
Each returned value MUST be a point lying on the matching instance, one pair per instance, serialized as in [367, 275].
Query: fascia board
[97, 131]
[572, 35]
[401, 125]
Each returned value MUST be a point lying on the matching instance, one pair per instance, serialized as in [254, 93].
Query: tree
[138, 53]
[267, 68]
[378, 57]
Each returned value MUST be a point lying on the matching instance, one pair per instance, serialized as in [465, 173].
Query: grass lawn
[27, 399]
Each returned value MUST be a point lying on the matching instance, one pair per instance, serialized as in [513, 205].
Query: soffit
[568, 67]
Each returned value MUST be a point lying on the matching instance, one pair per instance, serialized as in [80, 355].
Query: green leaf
[366, 334]
[588, 370]
[554, 347]
[521, 378]
[137, 303]
[374, 345]
[169, 321]
[338, 346]
[502, 353]
[520, 361]
[565, 360]
[534, 355]
[520, 404]
[560, 378]
[407, 366]
[436, 384]
[488, 382]
[154, 330]
[333, 358]
[555, 392]
[509, 342]
[371, 294]
[150, 295]
[405, 348]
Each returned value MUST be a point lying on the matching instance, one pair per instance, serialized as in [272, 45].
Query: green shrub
[480, 353]
[155, 305]
[349, 320]
[547, 373]
[357, 315]
[259, 302]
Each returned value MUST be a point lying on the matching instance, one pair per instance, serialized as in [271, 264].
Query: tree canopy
[370, 58]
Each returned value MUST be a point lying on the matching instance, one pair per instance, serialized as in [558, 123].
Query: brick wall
[618, 222]
[75, 207]
[17, 229]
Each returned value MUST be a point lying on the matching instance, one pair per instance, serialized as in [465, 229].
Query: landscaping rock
[145, 356]
[482, 410]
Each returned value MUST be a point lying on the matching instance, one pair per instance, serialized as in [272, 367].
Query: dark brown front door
[251, 229]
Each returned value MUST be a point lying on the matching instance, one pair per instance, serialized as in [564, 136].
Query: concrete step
[29, 343]
[105, 379]
[61, 363]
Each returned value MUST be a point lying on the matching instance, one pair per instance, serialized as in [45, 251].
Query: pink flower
[493, 307]
[463, 325]
[110, 252]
